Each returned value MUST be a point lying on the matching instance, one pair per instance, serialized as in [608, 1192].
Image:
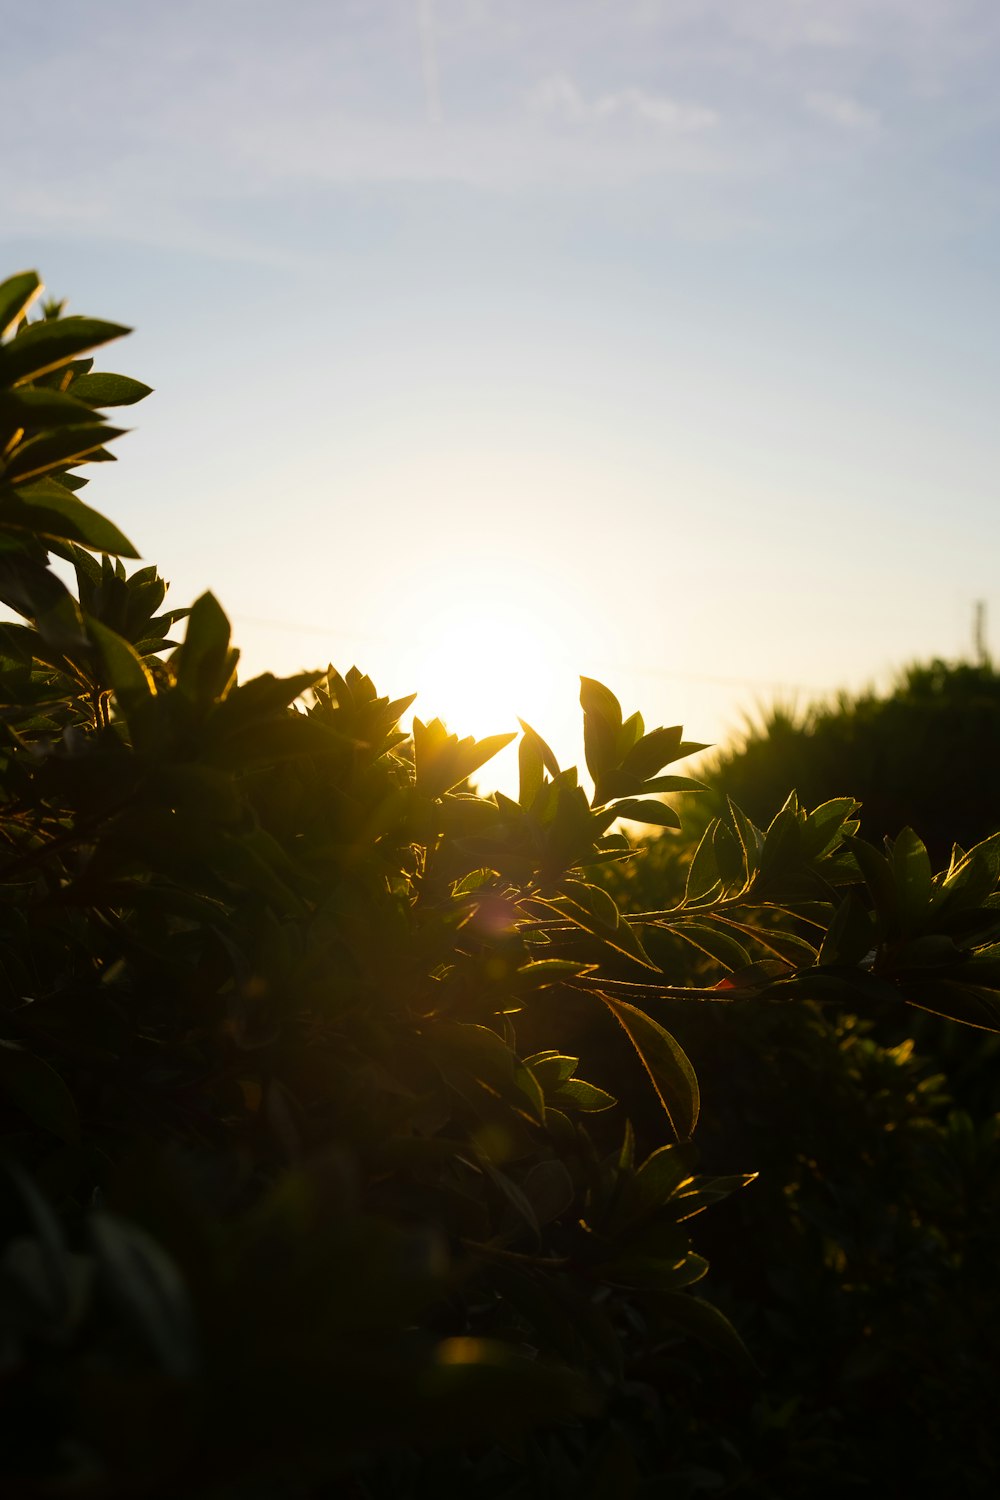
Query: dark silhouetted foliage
[304, 1192]
[921, 756]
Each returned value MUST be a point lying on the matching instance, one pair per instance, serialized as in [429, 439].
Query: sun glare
[493, 642]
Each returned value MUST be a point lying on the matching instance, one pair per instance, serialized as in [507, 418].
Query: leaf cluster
[287, 1183]
[919, 754]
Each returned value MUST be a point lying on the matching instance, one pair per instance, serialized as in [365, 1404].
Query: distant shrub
[921, 755]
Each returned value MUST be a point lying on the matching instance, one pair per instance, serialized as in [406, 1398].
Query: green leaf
[265, 696]
[642, 811]
[784, 842]
[659, 1258]
[548, 759]
[36, 592]
[911, 870]
[973, 876]
[126, 672]
[626, 1156]
[657, 1180]
[149, 1292]
[41, 347]
[89, 571]
[53, 450]
[546, 971]
[729, 856]
[673, 784]
[530, 765]
[48, 509]
[525, 1080]
[826, 824]
[763, 973]
[600, 701]
[480, 1067]
[443, 761]
[534, 758]
[973, 1004]
[694, 1196]
[602, 717]
[34, 1088]
[705, 1323]
[554, 1073]
[515, 1195]
[47, 1232]
[719, 946]
[850, 937]
[46, 1280]
[549, 1189]
[550, 1068]
[665, 1061]
[32, 406]
[749, 836]
[703, 879]
[593, 909]
[878, 877]
[657, 749]
[105, 389]
[787, 946]
[629, 734]
[17, 294]
[576, 1093]
[204, 663]
[595, 900]
[480, 751]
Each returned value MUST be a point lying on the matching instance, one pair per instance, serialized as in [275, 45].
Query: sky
[500, 341]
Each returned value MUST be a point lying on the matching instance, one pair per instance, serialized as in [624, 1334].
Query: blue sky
[495, 342]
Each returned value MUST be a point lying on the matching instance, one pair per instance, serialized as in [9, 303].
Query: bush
[303, 1185]
[858, 1267]
[921, 756]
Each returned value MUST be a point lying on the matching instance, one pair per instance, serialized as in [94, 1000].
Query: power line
[641, 669]
[746, 682]
[299, 628]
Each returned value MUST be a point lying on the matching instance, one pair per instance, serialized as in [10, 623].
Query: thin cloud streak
[558, 97]
[428, 61]
[214, 111]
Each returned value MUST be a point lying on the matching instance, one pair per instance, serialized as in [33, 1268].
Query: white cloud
[190, 118]
[559, 97]
[842, 110]
[655, 109]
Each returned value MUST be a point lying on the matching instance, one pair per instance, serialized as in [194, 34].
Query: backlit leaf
[105, 389]
[126, 672]
[52, 450]
[647, 811]
[704, 1322]
[41, 347]
[600, 701]
[17, 294]
[48, 509]
[911, 871]
[665, 1061]
[203, 662]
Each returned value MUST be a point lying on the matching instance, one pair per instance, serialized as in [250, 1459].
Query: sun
[491, 641]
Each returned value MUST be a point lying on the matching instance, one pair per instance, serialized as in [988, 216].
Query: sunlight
[497, 640]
